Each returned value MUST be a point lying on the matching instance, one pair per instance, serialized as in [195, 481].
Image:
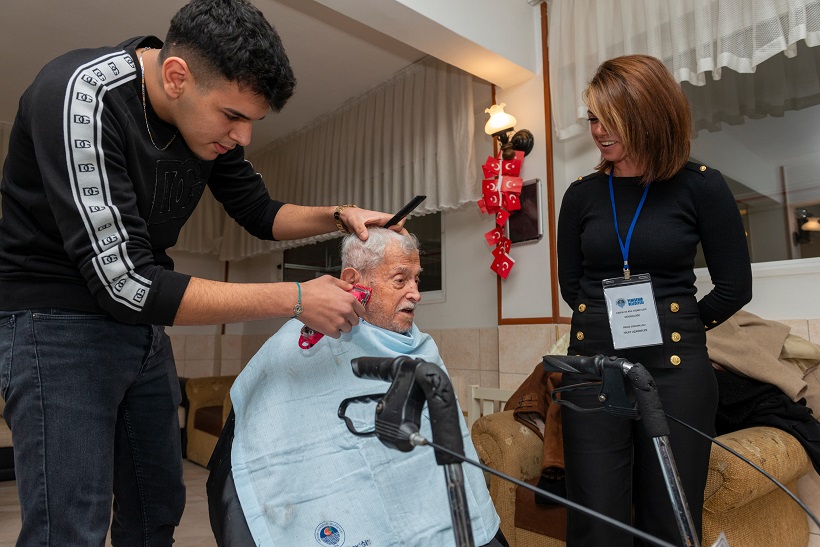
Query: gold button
[714, 322]
[702, 168]
[580, 178]
[675, 360]
[676, 337]
[674, 307]
[582, 308]
[579, 335]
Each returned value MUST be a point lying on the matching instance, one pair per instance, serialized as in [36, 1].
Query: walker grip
[613, 395]
[375, 368]
[414, 382]
[578, 364]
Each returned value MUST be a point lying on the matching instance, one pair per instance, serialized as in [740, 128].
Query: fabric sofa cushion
[6, 451]
[209, 420]
[5, 432]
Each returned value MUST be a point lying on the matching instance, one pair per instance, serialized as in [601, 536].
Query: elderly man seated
[301, 477]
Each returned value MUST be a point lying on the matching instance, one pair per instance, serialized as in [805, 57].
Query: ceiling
[335, 58]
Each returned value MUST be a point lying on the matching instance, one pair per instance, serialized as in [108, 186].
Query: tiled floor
[195, 529]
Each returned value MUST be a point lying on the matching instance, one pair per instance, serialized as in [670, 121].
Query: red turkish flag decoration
[491, 167]
[492, 196]
[493, 200]
[490, 186]
[500, 189]
[512, 167]
[511, 184]
[504, 244]
[494, 236]
[511, 202]
[502, 265]
[501, 217]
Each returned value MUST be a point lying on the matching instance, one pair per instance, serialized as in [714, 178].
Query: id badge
[633, 317]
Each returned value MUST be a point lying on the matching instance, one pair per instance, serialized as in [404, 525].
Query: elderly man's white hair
[365, 256]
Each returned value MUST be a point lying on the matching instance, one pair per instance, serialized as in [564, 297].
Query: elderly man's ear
[351, 275]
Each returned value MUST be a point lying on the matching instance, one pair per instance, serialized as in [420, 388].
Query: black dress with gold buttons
[694, 206]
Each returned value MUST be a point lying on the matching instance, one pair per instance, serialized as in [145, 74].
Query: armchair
[6, 450]
[209, 403]
[738, 500]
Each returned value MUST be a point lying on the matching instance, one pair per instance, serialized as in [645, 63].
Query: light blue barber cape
[303, 479]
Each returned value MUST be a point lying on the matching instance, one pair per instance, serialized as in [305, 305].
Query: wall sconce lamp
[806, 222]
[500, 125]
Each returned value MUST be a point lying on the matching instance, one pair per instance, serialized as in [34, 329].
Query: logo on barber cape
[330, 533]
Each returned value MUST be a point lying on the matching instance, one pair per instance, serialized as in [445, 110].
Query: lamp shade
[811, 225]
[499, 120]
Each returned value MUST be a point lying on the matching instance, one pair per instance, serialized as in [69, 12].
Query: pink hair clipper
[308, 337]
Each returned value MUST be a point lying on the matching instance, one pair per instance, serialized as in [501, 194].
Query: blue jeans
[92, 407]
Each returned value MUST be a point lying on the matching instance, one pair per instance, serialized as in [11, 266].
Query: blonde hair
[637, 97]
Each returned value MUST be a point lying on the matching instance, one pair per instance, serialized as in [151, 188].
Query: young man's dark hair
[232, 39]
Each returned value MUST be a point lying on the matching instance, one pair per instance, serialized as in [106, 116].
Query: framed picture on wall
[525, 223]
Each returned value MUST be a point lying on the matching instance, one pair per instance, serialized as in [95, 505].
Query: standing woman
[627, 236]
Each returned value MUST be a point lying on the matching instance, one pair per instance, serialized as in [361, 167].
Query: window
[315, 260]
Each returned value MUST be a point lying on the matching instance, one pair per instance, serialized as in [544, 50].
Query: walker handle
[375, 368]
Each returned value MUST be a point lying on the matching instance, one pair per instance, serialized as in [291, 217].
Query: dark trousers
[611, 466]
[92, 408]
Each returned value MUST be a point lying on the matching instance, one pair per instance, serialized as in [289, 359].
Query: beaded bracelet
[297, 309]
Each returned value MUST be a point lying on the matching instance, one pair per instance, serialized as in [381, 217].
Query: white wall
[573, 158]
[780, 290]
[469, 284]
[526, 293]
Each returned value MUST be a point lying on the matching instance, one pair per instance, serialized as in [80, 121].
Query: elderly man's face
[395, 285]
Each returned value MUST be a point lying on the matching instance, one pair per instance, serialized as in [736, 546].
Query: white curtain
[413, 134]
[692, 37]
[778, 85]
[203, 231]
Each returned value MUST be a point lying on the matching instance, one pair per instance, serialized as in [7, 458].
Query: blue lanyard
[625, 246]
